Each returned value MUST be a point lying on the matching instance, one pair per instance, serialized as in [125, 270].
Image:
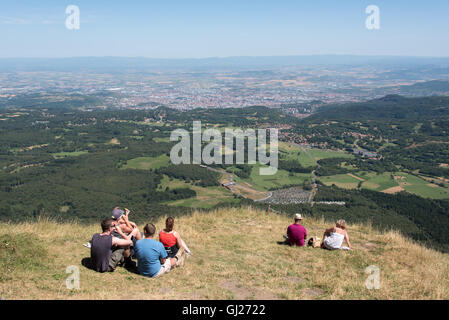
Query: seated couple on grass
[332, 239]
[121, 240]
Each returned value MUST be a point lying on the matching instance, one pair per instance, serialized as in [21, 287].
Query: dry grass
[235, 256]
[393, 190]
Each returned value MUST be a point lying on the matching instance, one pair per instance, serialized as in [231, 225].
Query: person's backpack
[314, 242]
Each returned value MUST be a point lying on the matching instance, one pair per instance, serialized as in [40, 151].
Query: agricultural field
[377, 182]
[421, 187]
[147, 163]
[306, 156]
[343, 181]
[388, 183]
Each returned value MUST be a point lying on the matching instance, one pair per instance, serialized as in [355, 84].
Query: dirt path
[243, 189]
[355, 177]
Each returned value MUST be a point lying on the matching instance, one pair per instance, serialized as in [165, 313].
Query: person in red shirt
[171, 239]
[296, 233]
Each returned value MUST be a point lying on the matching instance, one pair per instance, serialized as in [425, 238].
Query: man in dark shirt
[107, 250]
[296, 233]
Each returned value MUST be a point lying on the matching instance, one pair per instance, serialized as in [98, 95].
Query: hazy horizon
[236, 56]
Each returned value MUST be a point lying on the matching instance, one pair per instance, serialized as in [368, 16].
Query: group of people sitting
[332, 239]
[121, 241]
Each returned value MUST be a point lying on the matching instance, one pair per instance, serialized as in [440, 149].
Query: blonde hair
[341, 223]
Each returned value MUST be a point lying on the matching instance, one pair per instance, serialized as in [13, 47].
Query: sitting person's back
[334, 240]
[297, 233]
[151, 255]
[171, 239]
[106, 250]
[101, 251]
[334, 237]
[148, 252]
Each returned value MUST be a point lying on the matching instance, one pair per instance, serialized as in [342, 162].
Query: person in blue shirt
[151, 255]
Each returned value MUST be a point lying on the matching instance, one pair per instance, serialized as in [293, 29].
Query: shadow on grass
[86, 262]
[130, 266]
[283, 243]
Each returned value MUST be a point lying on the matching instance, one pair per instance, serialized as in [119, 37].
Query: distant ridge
[389, 107]
[140, 63]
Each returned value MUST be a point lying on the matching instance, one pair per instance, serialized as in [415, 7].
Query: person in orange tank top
[171, 239]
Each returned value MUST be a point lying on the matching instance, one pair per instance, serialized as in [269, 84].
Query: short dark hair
[149, 229]
[106, 224]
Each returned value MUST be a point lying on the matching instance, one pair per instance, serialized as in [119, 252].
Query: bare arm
[127, 227]
[178, 239]
[126, 241]
[121, 242]
[347, 240]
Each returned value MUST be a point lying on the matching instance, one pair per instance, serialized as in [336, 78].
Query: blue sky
[195, 29]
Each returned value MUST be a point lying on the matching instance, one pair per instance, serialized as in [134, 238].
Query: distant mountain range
[141, 63]
[420, 89]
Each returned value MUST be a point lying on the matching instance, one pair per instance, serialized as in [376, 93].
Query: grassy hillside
[235, 256]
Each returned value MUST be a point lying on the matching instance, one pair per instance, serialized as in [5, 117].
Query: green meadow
[421, 187]
[377, 182]
[60, 155]
[147, 163]
[319, 154]
[310, 156]
[340, 180]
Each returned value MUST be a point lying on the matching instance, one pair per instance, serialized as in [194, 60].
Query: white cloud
[12, 20]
